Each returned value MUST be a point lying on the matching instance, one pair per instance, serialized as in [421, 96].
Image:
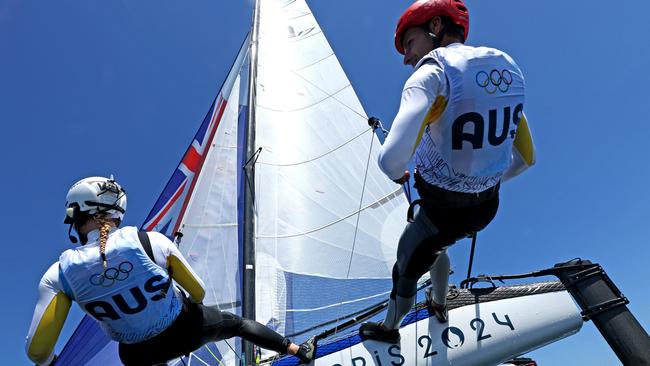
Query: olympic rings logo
[112, 275]
[495, 80]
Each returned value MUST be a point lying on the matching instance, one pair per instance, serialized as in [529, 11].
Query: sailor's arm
[421, 105]
[523, 151]
[179, 269]
[51, 311]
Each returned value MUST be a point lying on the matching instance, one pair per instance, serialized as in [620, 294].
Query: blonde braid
[106, 225]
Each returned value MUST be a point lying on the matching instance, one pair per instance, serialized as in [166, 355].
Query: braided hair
[106, 223]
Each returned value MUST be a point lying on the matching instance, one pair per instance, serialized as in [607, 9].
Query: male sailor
[461, 115]
[123, 279]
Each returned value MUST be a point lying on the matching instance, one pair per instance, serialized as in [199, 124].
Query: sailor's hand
[405, 178]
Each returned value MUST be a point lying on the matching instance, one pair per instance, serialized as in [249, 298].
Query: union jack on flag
[165, 216]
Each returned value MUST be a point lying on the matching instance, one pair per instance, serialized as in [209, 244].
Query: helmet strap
[72, 238]
[437, 39]
[434, 39]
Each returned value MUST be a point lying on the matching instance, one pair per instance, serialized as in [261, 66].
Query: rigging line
[332, 95]
[356, 226]
[471, 256]
[333, 222]
[241, 360]
[213, 355]
[319, 156]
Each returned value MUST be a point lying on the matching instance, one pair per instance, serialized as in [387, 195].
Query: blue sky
[117, 87]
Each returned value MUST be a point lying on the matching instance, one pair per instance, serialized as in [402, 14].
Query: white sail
[327, 218]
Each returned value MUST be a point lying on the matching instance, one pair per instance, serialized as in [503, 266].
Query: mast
[248, 301]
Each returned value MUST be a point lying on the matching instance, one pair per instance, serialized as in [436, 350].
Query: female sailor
[123, 279]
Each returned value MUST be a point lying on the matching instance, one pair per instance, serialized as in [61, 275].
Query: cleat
[377, 332]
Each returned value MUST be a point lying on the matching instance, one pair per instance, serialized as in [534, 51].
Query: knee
[406, 287]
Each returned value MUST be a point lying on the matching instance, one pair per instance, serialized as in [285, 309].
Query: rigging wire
[471, 256]
[213, 355]
[356, 227]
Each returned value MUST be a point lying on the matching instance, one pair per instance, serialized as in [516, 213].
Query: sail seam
[339, 303]
[208, 226]
[372, 205]
[364, 116]
[327, 96]
[319, 156]
[313, 63]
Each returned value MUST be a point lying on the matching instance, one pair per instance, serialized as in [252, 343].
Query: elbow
[392, 165]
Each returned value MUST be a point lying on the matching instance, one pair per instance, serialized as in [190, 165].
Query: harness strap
[410, 212]
[146, 244]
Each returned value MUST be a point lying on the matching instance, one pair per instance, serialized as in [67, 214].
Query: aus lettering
[133, 302]
[476, 133]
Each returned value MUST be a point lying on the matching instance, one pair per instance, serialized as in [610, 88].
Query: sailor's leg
[218, 325]
[414, 257]
[398, 305]
[440, 277]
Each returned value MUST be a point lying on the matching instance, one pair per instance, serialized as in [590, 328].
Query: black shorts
[197, 325]
[444, 218]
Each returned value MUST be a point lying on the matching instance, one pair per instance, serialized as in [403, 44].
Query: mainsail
[327, 221]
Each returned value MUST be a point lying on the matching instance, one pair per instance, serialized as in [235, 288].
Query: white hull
[487, 333]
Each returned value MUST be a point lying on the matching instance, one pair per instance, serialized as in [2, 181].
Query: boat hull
[483, 333]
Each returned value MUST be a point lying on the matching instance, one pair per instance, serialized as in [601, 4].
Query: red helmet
[422, 11]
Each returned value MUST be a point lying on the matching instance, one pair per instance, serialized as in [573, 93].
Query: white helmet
[95, 195]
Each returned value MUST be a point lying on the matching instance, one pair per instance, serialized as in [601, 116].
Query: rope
[213, 355]
[363, 191]
[356, 226]
[471, 256]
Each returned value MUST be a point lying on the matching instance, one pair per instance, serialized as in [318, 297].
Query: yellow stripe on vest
[49, 328]
[524, 142]
[433, 115]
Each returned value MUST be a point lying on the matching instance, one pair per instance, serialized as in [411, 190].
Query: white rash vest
[461, 115]
[131, 299]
